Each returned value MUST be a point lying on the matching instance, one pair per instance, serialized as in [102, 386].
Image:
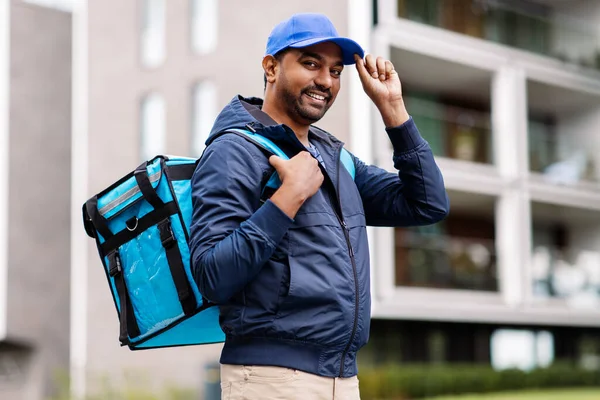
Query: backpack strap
[348, 162]
[271, 147]
[274, 182]
[128, 324]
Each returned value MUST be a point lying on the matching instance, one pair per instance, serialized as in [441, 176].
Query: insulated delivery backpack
[141, 228]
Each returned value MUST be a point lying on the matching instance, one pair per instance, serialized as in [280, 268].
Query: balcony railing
[524, 25]
[453, 131]
[443, 261]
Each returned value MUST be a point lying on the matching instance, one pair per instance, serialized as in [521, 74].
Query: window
[204, 25]
[457, 253]
[523, 349]
[565, 262]
[564, 146]
[153, 33]
[526, 25]
[153, 126]
[62, 5]
[450, 103]
[204, 112]
[453, 129]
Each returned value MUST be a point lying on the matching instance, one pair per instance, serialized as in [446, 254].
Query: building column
[4, 158]
[509, 119]
[79, 194]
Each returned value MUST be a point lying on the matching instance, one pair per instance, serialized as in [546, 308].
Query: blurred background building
[506, 92]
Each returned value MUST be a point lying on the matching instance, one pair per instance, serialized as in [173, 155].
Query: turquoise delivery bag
[140, 224]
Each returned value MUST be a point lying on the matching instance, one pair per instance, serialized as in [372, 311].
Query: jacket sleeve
[415, 195]
[231, 238]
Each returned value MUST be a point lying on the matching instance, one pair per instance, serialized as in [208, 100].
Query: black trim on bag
[128, 326]
[170, 346]
[184, 289]
[128, 176]
[143, 182]
[172, 189]
[203, 307]
[99, 222]
[147, 221]
[181, 172]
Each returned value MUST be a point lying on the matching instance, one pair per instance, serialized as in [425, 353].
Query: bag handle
[143, 181]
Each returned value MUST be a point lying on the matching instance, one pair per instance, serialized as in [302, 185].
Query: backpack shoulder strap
[274, 182]
[261, 141]
[348, 162]
[271, 147]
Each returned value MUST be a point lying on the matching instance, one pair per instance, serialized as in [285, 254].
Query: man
[290, 273]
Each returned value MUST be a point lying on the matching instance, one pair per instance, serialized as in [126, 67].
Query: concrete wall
[38, 273]
[117, 85]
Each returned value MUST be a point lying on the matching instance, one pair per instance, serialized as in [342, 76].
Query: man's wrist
[394, 114]
[287, 201]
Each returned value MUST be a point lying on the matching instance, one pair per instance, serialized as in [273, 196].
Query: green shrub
[419, 381]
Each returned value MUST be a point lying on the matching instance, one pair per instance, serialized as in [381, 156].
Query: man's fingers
[389, 69]
[371, 65]
[381, 68]
[360, 67]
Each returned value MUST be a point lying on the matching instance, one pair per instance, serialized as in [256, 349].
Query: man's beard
[299, 110]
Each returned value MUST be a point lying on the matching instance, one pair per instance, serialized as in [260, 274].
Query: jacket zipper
[352, 260]
[340, 216]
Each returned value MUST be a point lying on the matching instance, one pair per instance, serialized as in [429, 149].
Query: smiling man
[290, 269]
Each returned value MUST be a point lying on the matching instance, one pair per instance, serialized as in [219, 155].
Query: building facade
[508, 95]
[35, 122]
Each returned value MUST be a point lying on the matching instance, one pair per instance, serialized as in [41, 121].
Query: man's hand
[300, 177]
[381, 83]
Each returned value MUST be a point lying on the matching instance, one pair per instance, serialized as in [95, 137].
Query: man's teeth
[316, 96]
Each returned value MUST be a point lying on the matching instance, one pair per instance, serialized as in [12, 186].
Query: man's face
[309, 81]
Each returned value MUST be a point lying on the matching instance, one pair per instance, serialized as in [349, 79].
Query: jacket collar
[246, 113]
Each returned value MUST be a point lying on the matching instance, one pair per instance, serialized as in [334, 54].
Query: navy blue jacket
[295, 292]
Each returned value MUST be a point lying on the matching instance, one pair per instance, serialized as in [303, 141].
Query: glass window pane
[523, 349]
[203, 115]
[560, 30]
[204, 25]
[63, 5]
[565, 256]
[153, 33]
[457, 253]
[153, 126]
[564, 145]
[450, 103]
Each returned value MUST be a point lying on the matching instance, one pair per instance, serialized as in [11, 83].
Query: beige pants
[241, 382]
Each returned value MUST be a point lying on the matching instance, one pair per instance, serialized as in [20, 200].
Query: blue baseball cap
[306, 29]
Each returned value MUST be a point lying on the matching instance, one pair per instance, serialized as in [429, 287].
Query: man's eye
[336, 72]
[310, 64]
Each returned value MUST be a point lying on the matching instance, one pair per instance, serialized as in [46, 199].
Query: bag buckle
[115, 264]
[167, 237]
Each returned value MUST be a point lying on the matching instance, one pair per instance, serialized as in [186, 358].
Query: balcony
[457, 253]
[542, 27]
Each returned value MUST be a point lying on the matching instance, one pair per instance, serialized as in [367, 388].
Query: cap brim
[349, 47]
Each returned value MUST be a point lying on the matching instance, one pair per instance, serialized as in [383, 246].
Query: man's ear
[271, 67]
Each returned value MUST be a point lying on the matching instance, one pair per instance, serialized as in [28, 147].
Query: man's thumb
[276, 161]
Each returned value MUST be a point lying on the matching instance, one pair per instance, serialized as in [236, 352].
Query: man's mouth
[316, 96]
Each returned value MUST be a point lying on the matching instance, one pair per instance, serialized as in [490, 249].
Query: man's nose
[324, 79]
